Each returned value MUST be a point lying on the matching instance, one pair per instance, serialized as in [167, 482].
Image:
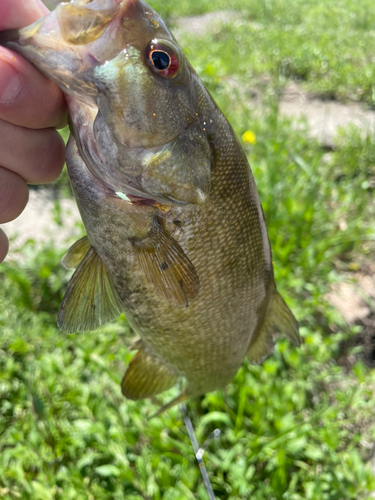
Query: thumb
[19, 13]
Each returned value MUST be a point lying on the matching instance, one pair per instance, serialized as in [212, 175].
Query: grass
[291, 428]
[300, 426]
[326, 45]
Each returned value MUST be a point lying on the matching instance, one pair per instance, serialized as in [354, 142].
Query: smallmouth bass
[176, 236]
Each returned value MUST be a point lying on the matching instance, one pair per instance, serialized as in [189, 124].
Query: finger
[14, 195]
[27, 97]
[4, 245]
[19, 13]
[39, 159]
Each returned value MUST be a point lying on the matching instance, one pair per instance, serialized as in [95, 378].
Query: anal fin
[278, 319]
[91, 298]
[146, 377]
[167, 266]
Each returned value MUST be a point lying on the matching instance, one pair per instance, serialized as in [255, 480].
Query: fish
[176, 237]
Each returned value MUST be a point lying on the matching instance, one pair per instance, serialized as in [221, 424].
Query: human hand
[31, 107]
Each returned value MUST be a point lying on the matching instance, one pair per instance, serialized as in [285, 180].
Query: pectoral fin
[167, 266]
[91, 299]
[76, 253]
[278, 319]
[146, 377]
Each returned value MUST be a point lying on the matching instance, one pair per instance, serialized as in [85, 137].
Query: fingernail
[10, 83]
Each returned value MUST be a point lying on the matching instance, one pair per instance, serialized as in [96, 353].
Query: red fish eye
[162, 59]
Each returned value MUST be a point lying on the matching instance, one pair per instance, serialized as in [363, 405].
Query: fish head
[120, 58]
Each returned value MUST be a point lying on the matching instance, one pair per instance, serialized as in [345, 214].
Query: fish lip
[46, 31]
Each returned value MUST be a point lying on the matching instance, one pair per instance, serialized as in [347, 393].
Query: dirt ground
[37, 222]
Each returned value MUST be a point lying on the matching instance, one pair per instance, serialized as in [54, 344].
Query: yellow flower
[249, 137]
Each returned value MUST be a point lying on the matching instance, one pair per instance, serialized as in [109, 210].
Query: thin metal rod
[197, 451]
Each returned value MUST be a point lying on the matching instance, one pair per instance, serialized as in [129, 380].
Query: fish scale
[176, 236]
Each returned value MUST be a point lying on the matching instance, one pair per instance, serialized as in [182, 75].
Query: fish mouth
[66, 43]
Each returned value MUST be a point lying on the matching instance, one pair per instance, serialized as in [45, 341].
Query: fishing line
[199, 451]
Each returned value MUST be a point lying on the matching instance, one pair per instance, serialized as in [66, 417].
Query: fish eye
[162, 58]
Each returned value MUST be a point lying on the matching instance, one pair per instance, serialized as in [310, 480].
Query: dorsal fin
[261, 346]
[278, 319]
[167, 266]
[91, 299]
[76, 253]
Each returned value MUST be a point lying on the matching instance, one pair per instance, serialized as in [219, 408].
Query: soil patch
[354, 299]
[37, 222]
[205, 23]
[325, 117]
